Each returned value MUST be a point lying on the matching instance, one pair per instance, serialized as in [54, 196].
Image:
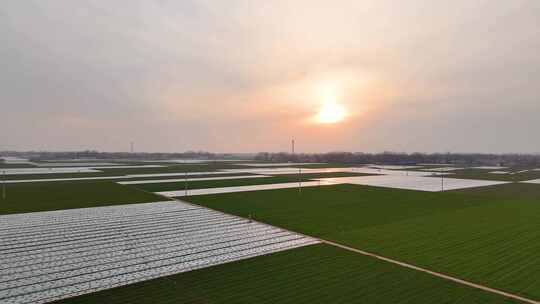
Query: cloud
[235, 76]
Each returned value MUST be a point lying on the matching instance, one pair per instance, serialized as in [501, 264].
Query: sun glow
[331, 112]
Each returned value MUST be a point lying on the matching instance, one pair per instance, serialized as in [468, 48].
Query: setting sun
[331, 112]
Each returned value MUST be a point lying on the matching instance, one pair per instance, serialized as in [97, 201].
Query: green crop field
[104, 174]
[321, 209]
[14, 166]
[485, 175]
[217, 183]
[289, 178]
[55, 175]
[125, 171]
[224, 174]
[171, 169]
[512, 191]
[313, 274]
[482, 238]
[46, 196]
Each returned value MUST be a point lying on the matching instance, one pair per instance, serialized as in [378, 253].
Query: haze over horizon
[240, 76]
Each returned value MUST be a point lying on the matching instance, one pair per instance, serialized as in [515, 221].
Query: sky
[247, 76]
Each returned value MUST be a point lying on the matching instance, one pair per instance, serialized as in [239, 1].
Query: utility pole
[299, 180]
[185, 183]
[442, 181]
[4, 184]
[131, 147]
[292, 146]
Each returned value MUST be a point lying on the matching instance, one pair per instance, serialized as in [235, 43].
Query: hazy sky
[246, 76]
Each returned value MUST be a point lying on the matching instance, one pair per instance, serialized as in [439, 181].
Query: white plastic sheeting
[399, 172]
[489, 167]
[499, 172]
[411, 182]
[394, 167]
[534, 181]
[258, 171]
[76, 164]
[15, 160]
[124, 166]
[193, 161]
[53, 255]
[272, 171]
[128, 176]
[53, 170]
[290, 170]
[277, 164]
[442, 169]
[243, 188]
[17, 181]
[20, 171]
[175, 174]
[159, 181]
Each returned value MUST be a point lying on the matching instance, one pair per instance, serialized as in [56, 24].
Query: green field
[14, 166]
[106, 174]
[46, 196]
[485, 175]
[488, 235]
[482, 238]
[172, 169]
[171, 186]
[513, 191]
[313, 274]
[103, 174]
[125, 171]
[228, 174]
[217, 183]
[55, 175]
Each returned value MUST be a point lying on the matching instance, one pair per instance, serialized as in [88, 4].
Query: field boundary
[433, 273]
[392, 261]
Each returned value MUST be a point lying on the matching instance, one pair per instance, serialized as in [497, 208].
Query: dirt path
[433, 273]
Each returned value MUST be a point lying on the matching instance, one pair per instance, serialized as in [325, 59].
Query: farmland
[314, 274]
[485, 175]
[514, 191]
[121, 176]
[171, 169]
[269, 152]
[484, 239]
[486, 234]
[54, 255]
[121, 171]
[46, 196]
[218, 183]
[325, 175]
[10, 166]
